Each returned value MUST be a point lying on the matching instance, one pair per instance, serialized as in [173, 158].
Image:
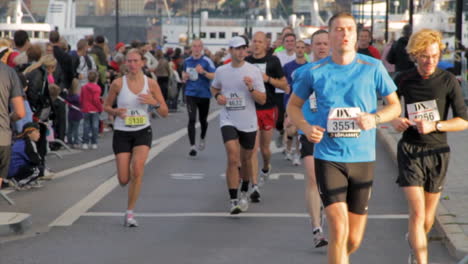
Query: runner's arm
[391, 110]
[294, 111]
[280, 83]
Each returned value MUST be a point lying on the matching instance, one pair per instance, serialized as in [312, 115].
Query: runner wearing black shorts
[237, 86]
[423, 152]
[132, 129]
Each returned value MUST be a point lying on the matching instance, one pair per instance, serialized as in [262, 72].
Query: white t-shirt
[240, 108]
[284, 58]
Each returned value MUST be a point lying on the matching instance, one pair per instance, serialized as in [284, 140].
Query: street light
[396, 4]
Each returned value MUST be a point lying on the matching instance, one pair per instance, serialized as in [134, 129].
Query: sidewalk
[452, 213]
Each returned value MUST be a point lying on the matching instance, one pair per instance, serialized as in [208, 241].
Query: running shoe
[235, 208]
[244, 201]
[94, 146]
[288, 156]
[296, 160]
[264, 176]
[193, 152]
[319, 238]
[255, 195]
[130, 221]
[201, 145]
[85, 146]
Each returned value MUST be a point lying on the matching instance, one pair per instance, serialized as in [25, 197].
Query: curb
[455, 239]
[14, 223]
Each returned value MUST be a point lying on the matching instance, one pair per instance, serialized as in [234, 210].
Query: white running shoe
[244, 201]
[235, 208]
[130, 221]
[201, 145]
[319, 238]
[264, 176]
[94, 146]
[289, 155]
[296, 160]
[85, 146]
[255, 195]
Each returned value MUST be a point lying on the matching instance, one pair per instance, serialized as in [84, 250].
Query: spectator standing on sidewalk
[423, 152]
[74, 116]
[10, 94]
[91, 106]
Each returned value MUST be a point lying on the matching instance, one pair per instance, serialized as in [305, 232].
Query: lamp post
[117, 37]
[396, 4]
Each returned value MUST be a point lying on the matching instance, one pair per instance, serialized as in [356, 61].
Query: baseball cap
[119, 45]
[237, 42]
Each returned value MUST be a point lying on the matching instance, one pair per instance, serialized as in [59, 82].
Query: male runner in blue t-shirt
[346, 86]
[198, 73]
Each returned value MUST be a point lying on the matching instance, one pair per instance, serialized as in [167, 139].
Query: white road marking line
[221, 214]
[111, 157]
[73, 213]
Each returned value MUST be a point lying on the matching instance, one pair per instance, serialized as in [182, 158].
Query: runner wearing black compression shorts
[346, 85]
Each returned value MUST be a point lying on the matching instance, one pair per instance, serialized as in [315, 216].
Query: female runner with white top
[132, 129]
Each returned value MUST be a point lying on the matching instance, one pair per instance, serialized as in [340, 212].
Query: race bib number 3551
[341, 122]
[426, 110]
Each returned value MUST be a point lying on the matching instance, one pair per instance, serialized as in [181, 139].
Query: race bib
[341, 123]
[313, 102]
[235, 102]
[426, 110]
[193, 74]
[136, 117]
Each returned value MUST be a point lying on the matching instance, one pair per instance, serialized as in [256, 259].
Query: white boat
[60, 15]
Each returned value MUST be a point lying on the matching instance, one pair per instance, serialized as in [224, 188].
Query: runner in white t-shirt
[237, 86]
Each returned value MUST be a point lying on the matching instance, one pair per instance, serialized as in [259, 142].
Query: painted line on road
[111, 157]
[224, 214]
[73, 213]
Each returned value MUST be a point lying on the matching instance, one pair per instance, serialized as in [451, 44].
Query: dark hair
[54, 37]
[90, 39]
[289, 35]
[99, 39]
[34, 53]
[340, 15]
[366, 30]
[92, 76]
[20, 38]
[407, 31]
[318, 32]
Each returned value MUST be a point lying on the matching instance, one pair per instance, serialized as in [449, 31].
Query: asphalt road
[183, 213]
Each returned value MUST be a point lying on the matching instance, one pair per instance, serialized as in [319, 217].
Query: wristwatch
[377, 119]
[438, 126]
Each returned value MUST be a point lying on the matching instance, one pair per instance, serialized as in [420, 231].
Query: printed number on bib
[313, 102]
[193, 74]
[426, 110]
[341, 122]
[136, 117]
[235, 102]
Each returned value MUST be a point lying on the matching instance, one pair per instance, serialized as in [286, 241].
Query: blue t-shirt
[198, 85]
[289, 70]
[343, 86]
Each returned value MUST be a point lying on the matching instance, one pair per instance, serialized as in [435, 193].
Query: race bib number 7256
[341, 122]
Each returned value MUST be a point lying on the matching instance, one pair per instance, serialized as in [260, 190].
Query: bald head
[259, 44]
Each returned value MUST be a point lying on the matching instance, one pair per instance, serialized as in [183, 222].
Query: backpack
[38, 93]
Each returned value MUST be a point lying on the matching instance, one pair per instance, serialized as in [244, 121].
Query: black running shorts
[422, 165]
[124, 141]
[350, 183]
[246, 139]
[307, 147]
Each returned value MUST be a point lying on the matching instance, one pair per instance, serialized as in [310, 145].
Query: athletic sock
[129, 213]
[245, 186]
[233, 194]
